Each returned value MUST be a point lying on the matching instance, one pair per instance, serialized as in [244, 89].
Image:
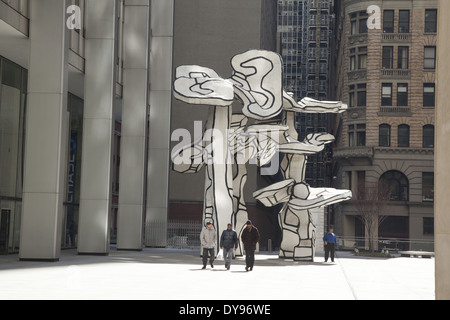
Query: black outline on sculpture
[244, 90]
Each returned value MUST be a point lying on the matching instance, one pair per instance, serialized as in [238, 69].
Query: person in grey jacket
[228, 241]
[208, 239]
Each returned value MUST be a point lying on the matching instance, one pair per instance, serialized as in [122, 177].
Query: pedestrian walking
[228, 243]
[250, 237]
[330, 242]
[208, 239]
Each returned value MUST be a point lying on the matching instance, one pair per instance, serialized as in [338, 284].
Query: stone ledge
[416, 254]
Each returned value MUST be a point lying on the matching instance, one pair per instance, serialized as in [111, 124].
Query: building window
[428, 226]
[361, 95]
[431, 21]
[13, 99]
[119, 44]
[352, 59]
[430, 57]
[353, 27]
[394, 227]
[388, 57]
[323, 68]
[397, 185]
[351, 135]
[361, 135]
[363, 24]
[362, 58]
[427, 186]
[386, 94]
[402, 95]
[403, 136]
[429, 98]
[351, 96]
[403, 21]
[72, 199]
[428, 136]
[358, 23]
[357, 95]
[403, 57]
[361, 175]
[385, 135]
[357, 135]
[312, 68]
[388, 21]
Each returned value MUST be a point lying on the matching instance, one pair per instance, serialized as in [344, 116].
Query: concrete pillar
[442, 163]
[160, 114]
[98, 126]
[318, 217]
[46, 134]
[133, 158]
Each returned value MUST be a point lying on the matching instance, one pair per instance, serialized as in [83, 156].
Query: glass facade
[305, 28]
[13, 90]
[13, 94]
[72, 199]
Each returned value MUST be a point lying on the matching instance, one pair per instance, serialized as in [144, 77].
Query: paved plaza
[175, 274]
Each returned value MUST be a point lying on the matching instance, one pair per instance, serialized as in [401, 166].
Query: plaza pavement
[175, 274]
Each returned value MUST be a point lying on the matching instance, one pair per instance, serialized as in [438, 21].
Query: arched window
[428, 136]
[403, 136]
[385, 135]
[397, 184]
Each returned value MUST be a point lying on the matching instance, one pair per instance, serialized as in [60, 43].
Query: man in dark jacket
[250, 237]
[228, 241]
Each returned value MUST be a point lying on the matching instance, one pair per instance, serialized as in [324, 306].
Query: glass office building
[305, 32]
[13, 90]
[75, 102]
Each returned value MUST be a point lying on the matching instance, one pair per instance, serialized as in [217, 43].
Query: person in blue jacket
[330, 242]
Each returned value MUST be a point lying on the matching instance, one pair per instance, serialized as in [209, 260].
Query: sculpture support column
[218, 202]
[98, 126]
[133, 158]
[46, 134]
[160, 114]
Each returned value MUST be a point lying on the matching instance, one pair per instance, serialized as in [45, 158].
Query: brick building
[385, 66]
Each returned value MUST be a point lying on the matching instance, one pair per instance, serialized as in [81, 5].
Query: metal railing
[396, 37]
[392, 244]
[183, 234]
[395, 73]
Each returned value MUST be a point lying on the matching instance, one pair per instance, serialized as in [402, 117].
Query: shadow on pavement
[153, 256]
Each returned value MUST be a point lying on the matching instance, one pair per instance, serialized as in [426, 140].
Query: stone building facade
[385, 64]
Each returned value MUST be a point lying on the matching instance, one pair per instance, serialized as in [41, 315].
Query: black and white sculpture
[298, 230]
[228, 144]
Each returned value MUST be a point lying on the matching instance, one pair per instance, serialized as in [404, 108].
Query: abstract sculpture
[229, 143]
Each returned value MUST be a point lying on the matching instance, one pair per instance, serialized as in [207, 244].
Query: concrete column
[98, 126]
[442, 163]
[160, 114]
[46, 134]
[133, 158]
[318, 217]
